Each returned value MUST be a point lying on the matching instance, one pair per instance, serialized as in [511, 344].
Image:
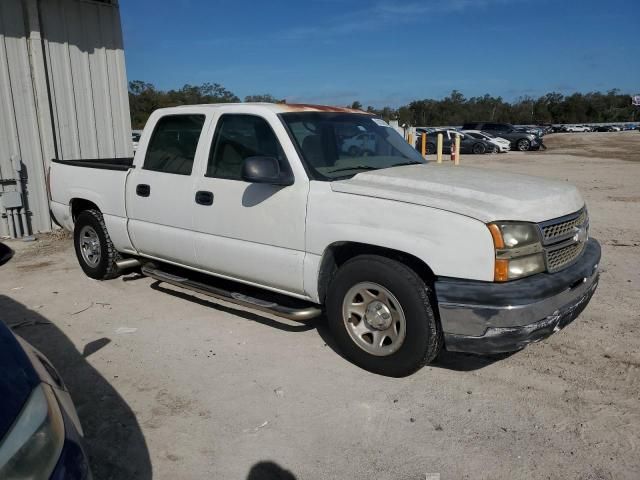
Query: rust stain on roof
[304, 107]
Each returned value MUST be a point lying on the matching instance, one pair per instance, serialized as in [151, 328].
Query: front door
[248, 231]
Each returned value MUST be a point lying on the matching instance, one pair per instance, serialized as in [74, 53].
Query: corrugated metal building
[63, 93]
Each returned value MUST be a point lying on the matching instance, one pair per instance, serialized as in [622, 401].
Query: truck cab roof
[273, 107]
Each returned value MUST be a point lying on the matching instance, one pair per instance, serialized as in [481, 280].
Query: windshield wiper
[357, 167]
[404, 164]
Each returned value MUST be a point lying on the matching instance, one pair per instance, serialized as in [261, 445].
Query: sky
[385, 52]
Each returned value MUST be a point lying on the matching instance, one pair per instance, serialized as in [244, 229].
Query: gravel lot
[171, 385]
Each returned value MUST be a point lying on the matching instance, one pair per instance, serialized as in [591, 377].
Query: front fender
[451, 244]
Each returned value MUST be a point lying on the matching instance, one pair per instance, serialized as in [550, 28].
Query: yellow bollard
[410, 139]
[440, 148]
[457, 162]
[424, 145]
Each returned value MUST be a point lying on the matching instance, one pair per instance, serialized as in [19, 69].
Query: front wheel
[479, 148]
[523, 145]
[95, 251]
[381, 316]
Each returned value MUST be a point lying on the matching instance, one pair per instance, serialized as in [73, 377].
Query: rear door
[248, 231]
[160, 190]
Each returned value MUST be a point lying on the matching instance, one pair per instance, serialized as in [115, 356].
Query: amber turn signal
[502, 270]
[496, 234]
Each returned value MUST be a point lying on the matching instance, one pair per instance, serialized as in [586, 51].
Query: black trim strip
[122, 163]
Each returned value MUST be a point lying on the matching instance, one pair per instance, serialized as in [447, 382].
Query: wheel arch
[337, 253]
[79, 205]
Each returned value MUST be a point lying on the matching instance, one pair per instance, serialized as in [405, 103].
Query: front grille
[563, 239]
[557, 231]
[564, 256]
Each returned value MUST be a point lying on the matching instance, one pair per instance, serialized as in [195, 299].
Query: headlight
[518, 250]
[33, 445]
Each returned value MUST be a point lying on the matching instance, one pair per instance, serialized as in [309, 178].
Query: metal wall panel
[20, 129]
[63, 90]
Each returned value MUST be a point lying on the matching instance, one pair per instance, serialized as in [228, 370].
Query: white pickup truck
[260, 204]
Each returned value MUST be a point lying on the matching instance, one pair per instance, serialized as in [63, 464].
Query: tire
[407, 303]
[479, 148]
[354, 151]
[94, 249]
[431, 148]
[523, 145]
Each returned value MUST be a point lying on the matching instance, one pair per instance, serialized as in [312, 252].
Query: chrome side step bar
[127, 263]
[296, 314]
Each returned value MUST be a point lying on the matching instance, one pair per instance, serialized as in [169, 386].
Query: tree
[455, 109]
[144, 98]
[268, 98]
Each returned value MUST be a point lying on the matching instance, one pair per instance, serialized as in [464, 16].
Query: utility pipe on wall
[20, 212]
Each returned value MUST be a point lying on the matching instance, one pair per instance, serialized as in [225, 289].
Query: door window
[173, 144]
[237, 138]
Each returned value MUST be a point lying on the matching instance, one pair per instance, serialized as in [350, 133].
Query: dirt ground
[171, 385]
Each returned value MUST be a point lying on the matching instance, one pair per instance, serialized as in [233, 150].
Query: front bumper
[486, 317]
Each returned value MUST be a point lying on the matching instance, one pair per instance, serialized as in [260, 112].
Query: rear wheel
[431, 148]
[380, 314]
[95, 251]
[354, 151]
[523, 145]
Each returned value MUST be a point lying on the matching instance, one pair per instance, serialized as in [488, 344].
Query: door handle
[204, 198]
[143, 190]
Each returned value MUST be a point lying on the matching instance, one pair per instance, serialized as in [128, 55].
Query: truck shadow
[254, 317]
[115, 443]
[268, 470]
[455, 361]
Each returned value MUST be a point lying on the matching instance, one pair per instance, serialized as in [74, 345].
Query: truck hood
[487, 195]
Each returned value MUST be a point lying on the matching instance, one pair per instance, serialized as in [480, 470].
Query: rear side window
[173, 144]
[237, 138]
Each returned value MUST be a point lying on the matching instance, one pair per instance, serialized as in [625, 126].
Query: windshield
[340, 145]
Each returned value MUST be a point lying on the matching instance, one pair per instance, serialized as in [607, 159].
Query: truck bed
[122, 163]
[100, 181]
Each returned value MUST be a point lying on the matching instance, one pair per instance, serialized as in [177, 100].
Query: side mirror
[265, 170]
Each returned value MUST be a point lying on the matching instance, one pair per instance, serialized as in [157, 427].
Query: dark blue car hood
[17, 378]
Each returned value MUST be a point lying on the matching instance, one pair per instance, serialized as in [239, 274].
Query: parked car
[405, 257]
[616, 128]
[577, 128]
[604, 128]
[358, 145]
[522, 141]
[468, 144]
[546, 128]
[501, 144]
[40, 434]
[537, 131]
